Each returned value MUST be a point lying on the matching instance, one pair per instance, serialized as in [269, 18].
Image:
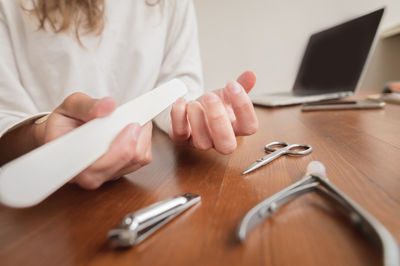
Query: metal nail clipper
[137, 226]
[315, 180]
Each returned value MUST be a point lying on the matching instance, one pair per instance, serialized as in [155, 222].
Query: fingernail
[135, 131]
[108, 98]
[104, 111]
[234, 87]
[181, 100]
[191, 102]
[211, 98]
[91, 111]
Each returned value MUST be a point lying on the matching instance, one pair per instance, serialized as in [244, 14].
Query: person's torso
[123, 62]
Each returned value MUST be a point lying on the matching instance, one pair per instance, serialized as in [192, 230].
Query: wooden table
[360, 149]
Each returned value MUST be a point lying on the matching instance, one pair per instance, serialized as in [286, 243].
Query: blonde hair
[82, 16]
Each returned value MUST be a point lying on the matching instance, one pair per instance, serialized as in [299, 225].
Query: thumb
[83, 107]
[247, 80]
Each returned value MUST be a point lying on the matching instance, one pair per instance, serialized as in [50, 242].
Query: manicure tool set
[82, 146]
[136, 226]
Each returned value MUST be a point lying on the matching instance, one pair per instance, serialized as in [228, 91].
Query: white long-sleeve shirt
[141, 47]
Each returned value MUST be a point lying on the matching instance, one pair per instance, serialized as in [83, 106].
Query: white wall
[268, 37]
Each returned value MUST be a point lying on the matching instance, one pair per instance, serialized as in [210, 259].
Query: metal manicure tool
[137, 226]
[289, 149]
[315, 180]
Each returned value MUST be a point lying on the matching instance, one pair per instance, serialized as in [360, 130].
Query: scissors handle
[275, 145]
[292, 149]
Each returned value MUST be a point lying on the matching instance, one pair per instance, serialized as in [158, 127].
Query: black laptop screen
[334, 58]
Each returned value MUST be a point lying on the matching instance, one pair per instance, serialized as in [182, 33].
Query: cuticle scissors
[289, 149]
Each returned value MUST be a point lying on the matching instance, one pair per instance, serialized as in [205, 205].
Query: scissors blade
[264, 160]
[253, 167]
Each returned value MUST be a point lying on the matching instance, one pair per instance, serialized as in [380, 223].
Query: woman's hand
[129, 151]
[213, 120]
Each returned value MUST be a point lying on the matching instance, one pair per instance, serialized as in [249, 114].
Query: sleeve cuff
[9, 123]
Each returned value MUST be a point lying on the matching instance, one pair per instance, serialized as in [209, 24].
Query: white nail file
[32, 177]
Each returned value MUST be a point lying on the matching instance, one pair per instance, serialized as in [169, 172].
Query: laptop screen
[334, 58]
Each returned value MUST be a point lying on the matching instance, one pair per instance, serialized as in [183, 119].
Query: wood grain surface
[360, 149]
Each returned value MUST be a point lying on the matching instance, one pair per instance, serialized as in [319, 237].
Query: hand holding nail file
[29, 179]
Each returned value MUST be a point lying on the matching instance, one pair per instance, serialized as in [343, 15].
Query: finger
[126, 170]
[132, 167]
[247, 79]
[180, 130]
[143, 148]
[246, 122]
[220, 127]
[120, 153]
[200, 136]
[225, 101]
[143, 152]
[83, 107]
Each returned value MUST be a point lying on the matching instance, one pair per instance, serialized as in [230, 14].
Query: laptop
[332, 64]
